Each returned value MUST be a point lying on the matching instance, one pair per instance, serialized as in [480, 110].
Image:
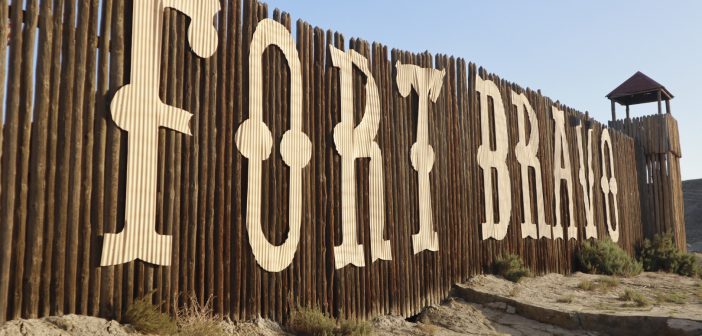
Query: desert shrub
[606, 257]
[633, 296]
[671, 298]
[599, 283]
[355, 328]
[608, 282]
[661, 254]
[146, 317]
[312, 322]
[511, 267]
[196, 319]
[587, 285]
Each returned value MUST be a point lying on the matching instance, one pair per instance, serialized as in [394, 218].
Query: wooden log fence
[63, 171]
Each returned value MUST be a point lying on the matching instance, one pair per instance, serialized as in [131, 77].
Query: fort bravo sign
[214, 154]
[137, 109]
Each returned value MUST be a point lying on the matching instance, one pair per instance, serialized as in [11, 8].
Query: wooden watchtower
[657, 155]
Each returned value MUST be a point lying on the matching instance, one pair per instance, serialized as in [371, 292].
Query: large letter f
[137, 109]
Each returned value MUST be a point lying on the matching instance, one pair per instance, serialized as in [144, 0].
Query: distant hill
[692, 193]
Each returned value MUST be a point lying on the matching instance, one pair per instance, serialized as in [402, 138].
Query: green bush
[606, 257]
[661, 254]
[146, 317]
[511, 267]
[312, 322]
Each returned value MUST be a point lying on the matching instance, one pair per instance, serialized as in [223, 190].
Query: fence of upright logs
[63, 172]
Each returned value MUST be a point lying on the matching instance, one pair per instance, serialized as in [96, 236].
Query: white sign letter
[255, 141]
[609, 185]
[562, 172]
[526, 155]
[497, 159]
[137, 109]
[587, 181]
[427, 83]
[352, 143]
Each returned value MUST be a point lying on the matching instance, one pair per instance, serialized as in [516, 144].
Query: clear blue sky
[574, 51]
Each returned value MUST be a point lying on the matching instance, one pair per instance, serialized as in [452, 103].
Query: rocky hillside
[692, 192]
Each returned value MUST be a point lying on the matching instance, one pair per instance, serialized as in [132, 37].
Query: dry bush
[602, 283]
[147, 318]
[671, 298]
[354, 328]
[608, 282]
[587, 285]
[312, 322]
[636, 297]
[196, 319]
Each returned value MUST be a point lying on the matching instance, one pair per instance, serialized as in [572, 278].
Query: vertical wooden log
[11, 138]
[389, 157]
[318, 142]
[38, 175]
[220, 175]
[660, 108]
[203, 117]
[52, 161]
[179, 223]
[614, 110]
[185, 292]
[194, 181]
[64, 164]
[22, 173]
[239, 263]
[211, 90]
[110, 301]
[312, 172]
[99, 154]
[90, 109]
[331, 80]
[230, 65]
[76, 157]
[4, 31]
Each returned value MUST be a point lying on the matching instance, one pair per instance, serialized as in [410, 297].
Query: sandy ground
[454, 317]
[75, 325]
[457, 317]
[669, 296]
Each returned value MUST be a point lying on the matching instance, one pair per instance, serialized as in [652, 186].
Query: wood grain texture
[65, 166]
